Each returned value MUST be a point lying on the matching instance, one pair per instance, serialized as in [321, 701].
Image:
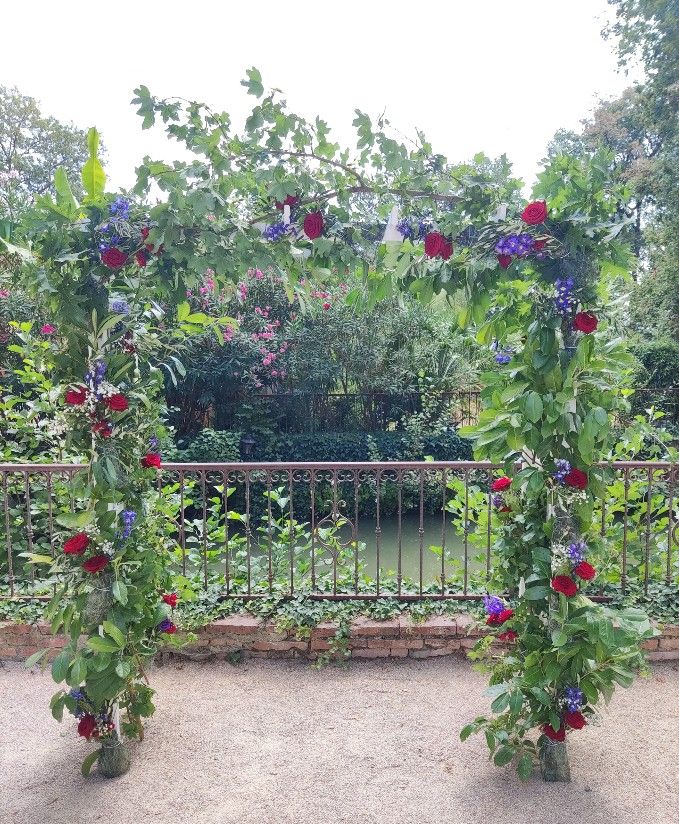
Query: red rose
[576, 720]
[151, 460]
[539, 245]
[505, 261]
[313, 225]
[500, 484]
[77, 544]
[117, 402]
[76, 397]
[492, 620]
[103, 429]
[555, 735]
[113, 258]
[290, 201]
[433, 244]
[576, 478]
[96, 563]
[141, 257]
[585, 571]
[565, 585]
[508, 635]
[505, 509]
[535, 213]
[326, 306]
[171, 629]
[145, 231]
[585, 322]
[505, 615]
[171, 599]
[87, 726]
[446, 249]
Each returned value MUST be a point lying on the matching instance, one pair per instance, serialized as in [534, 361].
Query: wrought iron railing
[340, 530]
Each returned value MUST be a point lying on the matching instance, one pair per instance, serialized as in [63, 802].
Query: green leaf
[60, 665]
[504, 755]
[533, 407]
[93, 175]
[119, 592]
[516, 702]
[559, 637]
[112, 630]
[524, 769]
[78, 672]
[65, 198]
[536, 593]
[88, 763]
[32, 660]
[99, 644]
[76, 520]
[254, 82]
[123, 669]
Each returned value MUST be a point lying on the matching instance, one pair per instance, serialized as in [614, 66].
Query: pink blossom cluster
[256, 274]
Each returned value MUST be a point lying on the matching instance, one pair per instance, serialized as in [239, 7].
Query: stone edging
[247, 636]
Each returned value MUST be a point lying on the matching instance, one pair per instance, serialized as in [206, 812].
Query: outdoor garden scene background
[337, 473]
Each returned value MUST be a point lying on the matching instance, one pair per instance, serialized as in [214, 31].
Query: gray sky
[487, 75]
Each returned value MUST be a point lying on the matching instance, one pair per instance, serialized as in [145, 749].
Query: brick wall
[244, 635]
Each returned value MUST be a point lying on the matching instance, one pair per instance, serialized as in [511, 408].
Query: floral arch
[280, 194]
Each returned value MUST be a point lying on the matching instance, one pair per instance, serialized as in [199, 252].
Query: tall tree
[32, 147]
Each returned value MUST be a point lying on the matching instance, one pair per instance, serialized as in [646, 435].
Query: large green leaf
[93, 175]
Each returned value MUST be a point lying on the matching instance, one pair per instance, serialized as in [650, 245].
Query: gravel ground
[273, 742]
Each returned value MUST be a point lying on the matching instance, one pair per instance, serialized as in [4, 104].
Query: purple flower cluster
[503, 354]
[423, 228]
[574, 698]
[564, 300]
[520, 245]
[95, 379]
[129, 516]
[577, 552]
[120, 306]
[562, 469]
[276, 231]
[165, 625]
[493, 604]
[153, 442]
[120, 208]
[498, 500]
[405, 227]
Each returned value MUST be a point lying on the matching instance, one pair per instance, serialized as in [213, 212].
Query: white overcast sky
[490, 75]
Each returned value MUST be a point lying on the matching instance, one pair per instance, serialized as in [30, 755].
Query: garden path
[271, 742]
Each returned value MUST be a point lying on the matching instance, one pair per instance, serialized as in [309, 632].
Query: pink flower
[47, 329]
[326, 306]
[228, 334]
[210, 218]
[4, 293]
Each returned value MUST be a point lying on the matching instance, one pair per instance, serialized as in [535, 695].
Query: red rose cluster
[151, 461]
[535, 213]
[574, 720]
[77, 544]
[437, 246]
[498, 619]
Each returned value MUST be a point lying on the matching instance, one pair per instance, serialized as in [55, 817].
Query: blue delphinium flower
[577, 552]
[564, 300]
[153, 442]
[276, 231]
[493, 604]
[120, 306]
[574, 698]
[562, 469]
[405, 227]
[129, 516]
[120, 208]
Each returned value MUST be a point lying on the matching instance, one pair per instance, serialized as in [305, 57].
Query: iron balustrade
[409, 530]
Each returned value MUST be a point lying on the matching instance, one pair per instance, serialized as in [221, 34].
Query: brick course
[245, 635]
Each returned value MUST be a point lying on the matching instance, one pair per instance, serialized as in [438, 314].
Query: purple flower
[406, 229]
[129, 516]
[498, 500]
[574, 698]
[564, 300]
[577, 552]
[276, 231]
[164, 625]
[120, 208]
[153, 442]
[493, 604]
[120, 306]
[562, 469]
